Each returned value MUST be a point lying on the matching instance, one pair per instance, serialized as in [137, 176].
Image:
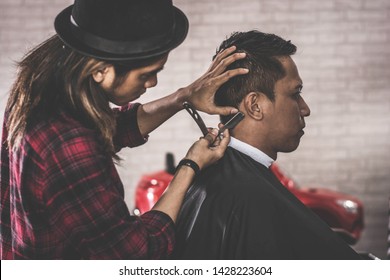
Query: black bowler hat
[122, 30]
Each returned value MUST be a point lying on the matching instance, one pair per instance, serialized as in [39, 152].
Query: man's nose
[305, 110]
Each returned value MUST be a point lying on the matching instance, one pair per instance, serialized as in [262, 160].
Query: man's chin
[291, 148]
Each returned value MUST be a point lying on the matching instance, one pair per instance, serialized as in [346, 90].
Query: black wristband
[189, 163]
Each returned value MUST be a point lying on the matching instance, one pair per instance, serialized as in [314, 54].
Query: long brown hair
[51, 78]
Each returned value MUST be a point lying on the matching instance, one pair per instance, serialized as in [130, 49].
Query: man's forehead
[289, 82]
[292, 76]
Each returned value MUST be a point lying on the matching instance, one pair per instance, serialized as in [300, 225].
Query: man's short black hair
[262, 52]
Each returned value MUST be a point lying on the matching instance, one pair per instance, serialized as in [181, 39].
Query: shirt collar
[251, 151]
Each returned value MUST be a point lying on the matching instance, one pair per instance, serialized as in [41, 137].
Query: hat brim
[63, 27]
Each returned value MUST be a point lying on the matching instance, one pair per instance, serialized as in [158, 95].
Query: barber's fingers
[223, 59]
[211, 136]
[223, 139]
[204, 152]
[220, 56]
[218, 141]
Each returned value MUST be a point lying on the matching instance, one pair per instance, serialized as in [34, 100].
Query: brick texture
[343, 58]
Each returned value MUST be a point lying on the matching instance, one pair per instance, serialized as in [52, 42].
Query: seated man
[237, 208]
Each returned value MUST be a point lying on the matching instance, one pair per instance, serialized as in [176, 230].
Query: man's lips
[301, 131]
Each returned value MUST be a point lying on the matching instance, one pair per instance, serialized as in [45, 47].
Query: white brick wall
[343, 57]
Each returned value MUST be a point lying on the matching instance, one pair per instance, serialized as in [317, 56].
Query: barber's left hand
[201, 92]
[209, 149]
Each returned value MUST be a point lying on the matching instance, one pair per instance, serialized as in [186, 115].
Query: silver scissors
[231, 123]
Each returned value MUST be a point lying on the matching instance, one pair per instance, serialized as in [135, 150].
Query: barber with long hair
[61, 196]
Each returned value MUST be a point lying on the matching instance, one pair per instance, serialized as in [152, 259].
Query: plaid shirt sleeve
[127, 130]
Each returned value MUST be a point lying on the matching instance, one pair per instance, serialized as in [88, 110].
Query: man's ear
[253, 103]
[100, 75]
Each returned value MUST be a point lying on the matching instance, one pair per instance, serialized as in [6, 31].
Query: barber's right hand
[201, 92]
[207, 150]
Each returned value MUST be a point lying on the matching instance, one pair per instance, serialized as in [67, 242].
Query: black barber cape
[237, 209]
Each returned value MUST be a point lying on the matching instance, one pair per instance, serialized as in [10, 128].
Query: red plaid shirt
[62, 198]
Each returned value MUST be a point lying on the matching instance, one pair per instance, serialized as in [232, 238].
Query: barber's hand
[201, 92]
[209, 149]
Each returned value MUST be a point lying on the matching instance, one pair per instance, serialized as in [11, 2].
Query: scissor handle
[195, 115]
